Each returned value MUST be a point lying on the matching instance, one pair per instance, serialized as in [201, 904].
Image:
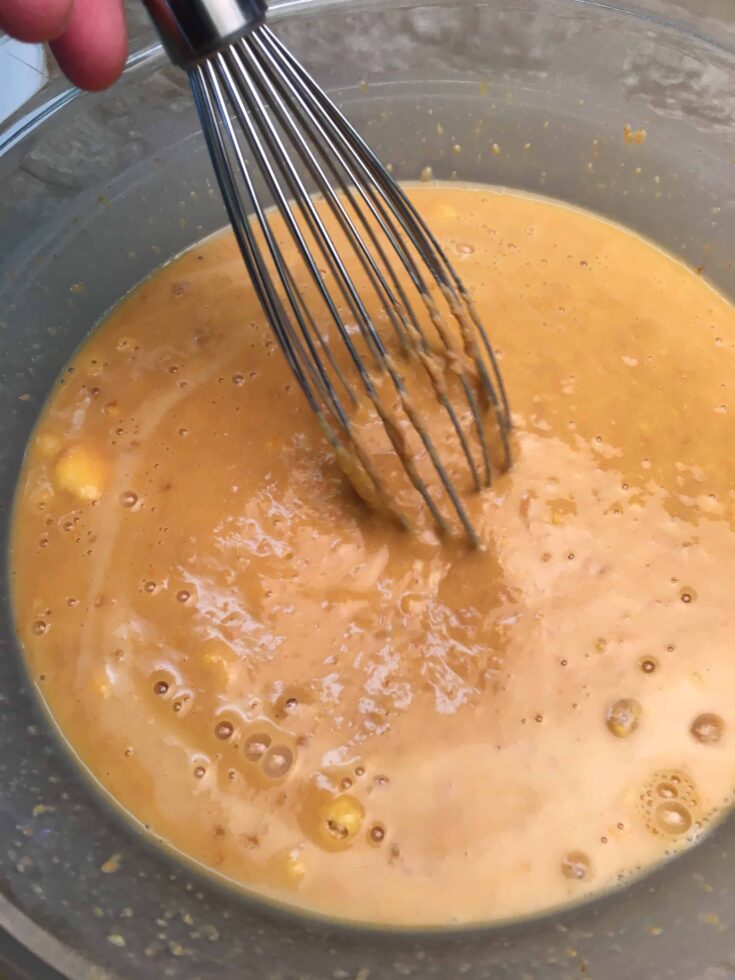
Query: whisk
[283, 151]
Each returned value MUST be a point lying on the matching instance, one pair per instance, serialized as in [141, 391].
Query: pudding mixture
[377, 725]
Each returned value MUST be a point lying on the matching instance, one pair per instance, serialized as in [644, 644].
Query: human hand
[87, 37]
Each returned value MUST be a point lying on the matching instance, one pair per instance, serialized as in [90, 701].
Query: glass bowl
[97, 190]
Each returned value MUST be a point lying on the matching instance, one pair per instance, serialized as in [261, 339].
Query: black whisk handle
[191, 30]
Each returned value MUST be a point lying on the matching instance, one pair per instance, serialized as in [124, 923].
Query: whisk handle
[191, 30]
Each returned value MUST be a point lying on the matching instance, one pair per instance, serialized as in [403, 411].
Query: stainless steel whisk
[276, 140]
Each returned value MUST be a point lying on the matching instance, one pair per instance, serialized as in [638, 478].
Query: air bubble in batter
[576, 866]
[223, 730]
[708, 728]
[673, 817]
[277, 761]
[623, 717]
[256, 746]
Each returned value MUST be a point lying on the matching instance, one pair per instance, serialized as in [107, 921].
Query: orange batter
[330, 711]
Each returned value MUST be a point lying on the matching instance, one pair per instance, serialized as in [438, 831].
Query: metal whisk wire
[261, 113]
[411, 221]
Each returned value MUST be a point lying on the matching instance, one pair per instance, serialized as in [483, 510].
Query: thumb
[92, 49]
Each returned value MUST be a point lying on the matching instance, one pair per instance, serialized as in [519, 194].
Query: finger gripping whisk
[371, 316]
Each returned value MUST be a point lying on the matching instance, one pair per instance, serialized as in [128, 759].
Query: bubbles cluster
[275, 759]
[168, 689]
[669, 803]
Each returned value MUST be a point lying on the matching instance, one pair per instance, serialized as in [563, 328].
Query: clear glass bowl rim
[146, 54]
